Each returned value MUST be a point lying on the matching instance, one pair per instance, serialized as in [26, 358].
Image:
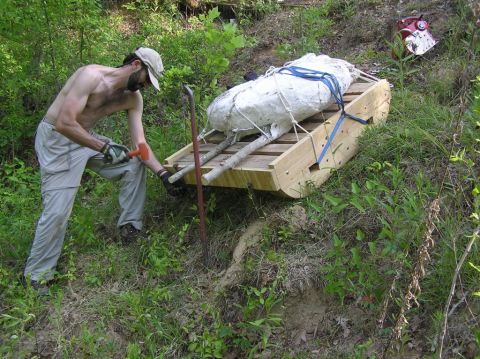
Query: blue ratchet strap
[331, 82]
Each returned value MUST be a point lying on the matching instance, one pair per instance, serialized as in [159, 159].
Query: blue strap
[331, 82]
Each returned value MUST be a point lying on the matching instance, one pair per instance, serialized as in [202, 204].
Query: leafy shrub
[310, 25]
[199, 55]
[355, 268]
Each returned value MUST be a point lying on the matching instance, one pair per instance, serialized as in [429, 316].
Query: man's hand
[174, 189]
[113, 153]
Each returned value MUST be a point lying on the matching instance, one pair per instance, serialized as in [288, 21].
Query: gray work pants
[62, 163]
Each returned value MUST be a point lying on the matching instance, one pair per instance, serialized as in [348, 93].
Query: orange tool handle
[141, 151]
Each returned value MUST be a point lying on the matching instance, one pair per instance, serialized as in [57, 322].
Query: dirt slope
[314, 325]
[368, 29]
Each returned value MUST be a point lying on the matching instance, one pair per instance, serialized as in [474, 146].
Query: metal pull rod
[198, 174]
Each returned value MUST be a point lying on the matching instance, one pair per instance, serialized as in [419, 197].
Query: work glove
[113, 153]
[174, 189]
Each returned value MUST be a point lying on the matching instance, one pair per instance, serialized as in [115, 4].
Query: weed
[360, 350]
[354, 267]
[310, 24]
[366, 55]
[134, 351]
[161, 258]
[247, 10]
[400, 63]
[349, 9]
[212, 343]
[259, 319]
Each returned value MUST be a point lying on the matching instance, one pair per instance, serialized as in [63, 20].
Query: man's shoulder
[91, 71]
[86, 78]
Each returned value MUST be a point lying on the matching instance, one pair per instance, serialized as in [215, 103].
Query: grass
[362, 229]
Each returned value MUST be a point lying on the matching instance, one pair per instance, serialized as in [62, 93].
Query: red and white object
[416, 35]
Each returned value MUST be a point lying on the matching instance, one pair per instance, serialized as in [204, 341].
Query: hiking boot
[40, 288]
[128, 233]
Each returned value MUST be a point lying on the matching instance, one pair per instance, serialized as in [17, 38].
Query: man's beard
[133, 83]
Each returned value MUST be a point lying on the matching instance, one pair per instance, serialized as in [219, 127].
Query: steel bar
[198, 174]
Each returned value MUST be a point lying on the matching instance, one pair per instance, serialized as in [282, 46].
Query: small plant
[354, 267]
[249, 10]
[349, 8]
[366, 55]
[360, 350]
[400, 62]
[212, 343]
[312, 24]
[160, 256]
[258, 318]
[284, 50]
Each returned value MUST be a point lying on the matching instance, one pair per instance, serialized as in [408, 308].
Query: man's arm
[136, 131]
[73, 104]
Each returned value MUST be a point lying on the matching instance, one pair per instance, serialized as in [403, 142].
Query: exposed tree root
[234, 273]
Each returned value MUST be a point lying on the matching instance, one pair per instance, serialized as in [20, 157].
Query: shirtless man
[65, 145]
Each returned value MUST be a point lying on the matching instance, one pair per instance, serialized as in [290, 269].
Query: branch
[240, 155]
[452, 288]
[203, 159]
[418, 272]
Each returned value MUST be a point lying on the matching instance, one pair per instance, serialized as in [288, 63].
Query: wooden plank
[270, 149]
[353, 109]
[291, 138]
[359, 87]
[294, 167]
[252, 172]
[306, 125]
[287, 138]
[261, 180]
[250, 162]
[179, 154]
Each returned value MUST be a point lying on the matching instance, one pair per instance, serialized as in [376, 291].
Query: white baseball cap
[153, 61]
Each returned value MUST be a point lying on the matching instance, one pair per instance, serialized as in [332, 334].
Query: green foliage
[259, 318]
[355, 266]
[89, 342]
[20, 309]
[71, 33]
[250, 334]
[20, 195]
[247, 11]
[42, 42]
[310, 25]
[366, 55]
[211, 343]
[163, 258]
[152, 299]
[400, 62]
[465, 158]
[221, 44]
[149, 6]
[476, 97]
[198, 56]
[360, 350]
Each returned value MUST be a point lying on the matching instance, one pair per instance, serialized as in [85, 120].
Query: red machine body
[415, 34]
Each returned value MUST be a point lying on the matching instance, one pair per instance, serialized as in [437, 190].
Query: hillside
[382, 261]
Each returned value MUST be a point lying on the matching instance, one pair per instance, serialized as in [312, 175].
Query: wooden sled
[288, 165]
